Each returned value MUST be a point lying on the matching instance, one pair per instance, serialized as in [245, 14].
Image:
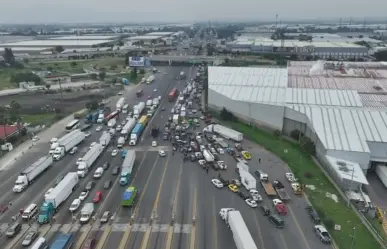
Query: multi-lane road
[177, 206]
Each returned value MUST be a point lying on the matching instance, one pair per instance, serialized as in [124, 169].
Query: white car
[48, 192]
[221, 151]
[222, 165]
[162, 153]
[53, 140]
[119, 128]
[251, 203]
[120, 93]
[202, 162]
[276, 202]
[290, 177]
[255, 195]
[87, 134]
[83, 195]
[75, 205]
[73, 150]
[154, 143]
[159, 98]
[114, 152]
[35, 138]
[217, 183]
[155, 90]
[99, 128]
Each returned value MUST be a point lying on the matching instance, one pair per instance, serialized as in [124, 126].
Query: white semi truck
[237, 225]
[28, 175]
[68, 144]
[247, 180]
[120, 104]
[88, 159]
[128, 127]
[138, 109]
[105, 138]
[60, 141]
[224, 132]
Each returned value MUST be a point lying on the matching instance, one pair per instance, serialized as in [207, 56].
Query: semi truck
[150, 79]
[136, 133]
[281, 191]
[128, 127]
[28, 175]
[112, 122]
[138, 109]
[63, 241]
[88, 159]
[68, 144]
[105, 138]
[58, 195]
[239, 230]
[127, 167]
[60, 141]
[129, 196]
[247, 180]
[208, 156]
[120, 104]
[224, 132]
[86, 213]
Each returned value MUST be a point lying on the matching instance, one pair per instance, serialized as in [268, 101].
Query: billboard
[136, 61]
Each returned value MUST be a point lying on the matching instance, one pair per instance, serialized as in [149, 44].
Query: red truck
[173, 94]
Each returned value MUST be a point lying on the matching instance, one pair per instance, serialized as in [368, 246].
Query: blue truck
[93, 117]
[136, 133]
[62, 241]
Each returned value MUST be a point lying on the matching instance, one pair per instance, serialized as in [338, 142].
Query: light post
[350, 185]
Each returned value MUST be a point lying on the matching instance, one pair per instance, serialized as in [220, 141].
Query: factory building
[341, 107]
[318, 49]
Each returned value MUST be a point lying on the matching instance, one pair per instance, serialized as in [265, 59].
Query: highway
[177, 206]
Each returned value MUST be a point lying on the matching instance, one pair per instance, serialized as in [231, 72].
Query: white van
[40, 243]
[30, 212]
[98, 173]
[75, 205]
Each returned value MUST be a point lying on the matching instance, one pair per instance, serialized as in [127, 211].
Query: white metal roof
[52, 43]
[348, 170]
[86, 37]
[144, 37]
[346, 129]
[248, 76]
[159, 33]
[26, 48]
[323, 97]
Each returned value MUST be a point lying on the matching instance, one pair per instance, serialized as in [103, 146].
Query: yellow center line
[214, 225]
[145, 240]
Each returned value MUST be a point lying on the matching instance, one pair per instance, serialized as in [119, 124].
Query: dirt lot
[71, 101]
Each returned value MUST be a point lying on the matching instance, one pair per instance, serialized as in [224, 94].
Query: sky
[73, 11]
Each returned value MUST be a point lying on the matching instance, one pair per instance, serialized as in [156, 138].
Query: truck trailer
[208, 156]
[128, 127]
[120, 104]
[239, 230]
[60, 193]
[67, 145]
[88, 159]
[247, 180]
[63, 241]
[127, 167]
[60, 141]
[224, 132]
[105, 138]
[281, 191]
[112, 122]
[28, 175]
[129, 196]
[138, 109]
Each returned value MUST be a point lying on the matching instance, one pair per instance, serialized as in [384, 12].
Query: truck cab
[82, 169]
[20, 184]
[58, 154]
[47, 210]
[124, 178]
[120, 142]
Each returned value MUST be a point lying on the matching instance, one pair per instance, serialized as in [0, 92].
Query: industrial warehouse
[341, 107]
[336, 49]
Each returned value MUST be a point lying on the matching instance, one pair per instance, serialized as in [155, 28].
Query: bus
[112, 115]
[125, 108]
[173, 94]
[72, 125]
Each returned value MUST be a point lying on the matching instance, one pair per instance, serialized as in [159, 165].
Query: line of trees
[10, 114]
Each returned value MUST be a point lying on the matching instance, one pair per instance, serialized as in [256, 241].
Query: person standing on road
[259, 160]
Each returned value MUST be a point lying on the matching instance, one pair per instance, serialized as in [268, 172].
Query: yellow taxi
[246, 155]
[234, 188]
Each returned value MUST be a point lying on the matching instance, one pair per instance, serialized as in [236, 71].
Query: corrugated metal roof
[272, 95]
[248, 76]
[346, 129]
[323, 97]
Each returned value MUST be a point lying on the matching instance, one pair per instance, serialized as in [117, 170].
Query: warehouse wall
[378, 150]
[362, 158]
[261, 114]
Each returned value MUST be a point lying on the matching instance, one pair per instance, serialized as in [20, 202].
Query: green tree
[14, 113]
[8, 56]
[48, 86]
[74, 64]
[94, 76]
[102, 76]
[92, 105]
[59, 49]
[142, 71]
[133, 75]
[3, 122]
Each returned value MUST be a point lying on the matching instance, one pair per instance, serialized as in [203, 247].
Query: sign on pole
[136, 61]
